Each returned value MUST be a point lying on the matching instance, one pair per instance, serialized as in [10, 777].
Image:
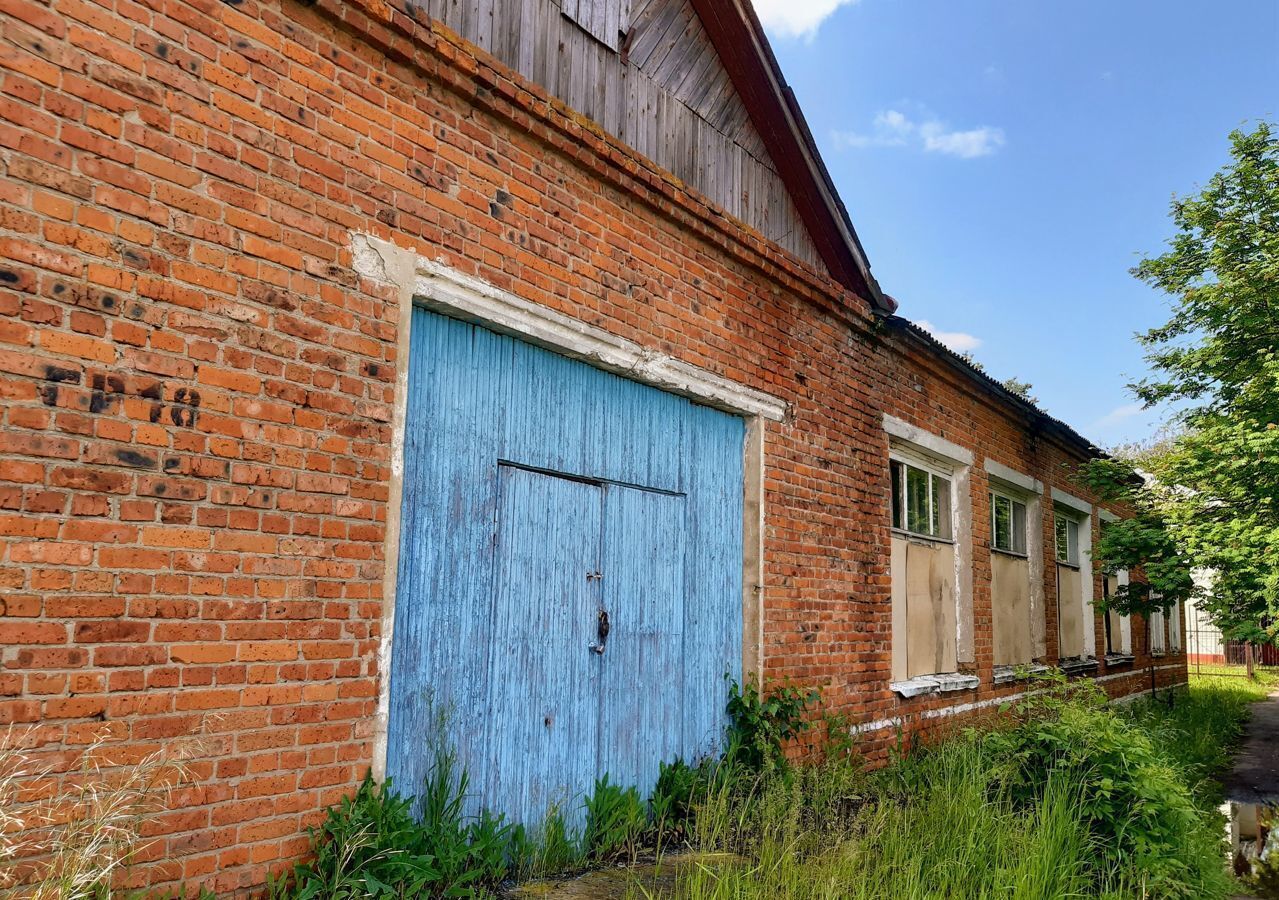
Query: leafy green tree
[1217, 359]
[1143, 543]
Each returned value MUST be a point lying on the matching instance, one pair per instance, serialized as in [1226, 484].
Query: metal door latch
[602, 628]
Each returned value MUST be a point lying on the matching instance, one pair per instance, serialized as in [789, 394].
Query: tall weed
[73, 843]
[1071, 799]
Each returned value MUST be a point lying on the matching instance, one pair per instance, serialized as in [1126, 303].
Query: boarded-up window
[1010, 600]
[923, 566]
[1009, 580]
[1158, 632]
[1070, 588]
[1118, 634]
[604, 20]
[923, 574]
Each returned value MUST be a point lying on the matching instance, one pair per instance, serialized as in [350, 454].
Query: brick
[19, 444]
[13, 632]
[109, 632]
[189, 538]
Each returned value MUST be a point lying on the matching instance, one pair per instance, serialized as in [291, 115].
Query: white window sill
[1158, 654]
[1008, 674]
[1078, 665]
[944, 683]
[1119, 659]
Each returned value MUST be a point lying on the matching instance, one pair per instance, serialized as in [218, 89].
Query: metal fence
[1209, 653]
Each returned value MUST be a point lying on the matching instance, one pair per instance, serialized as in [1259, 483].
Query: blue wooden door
[541, 726]
[643, 591]
[540, 496]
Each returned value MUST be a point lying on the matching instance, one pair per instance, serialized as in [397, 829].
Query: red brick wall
[930, 390]
[194, 461]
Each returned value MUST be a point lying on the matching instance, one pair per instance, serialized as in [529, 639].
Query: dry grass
[66, 837]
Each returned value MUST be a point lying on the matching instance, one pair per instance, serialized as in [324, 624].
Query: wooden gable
[605, 20]
[650, 73]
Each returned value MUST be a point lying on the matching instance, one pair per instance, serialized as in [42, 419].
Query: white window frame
[1121, 577]
[1157, 628]
[1125, 621]
[1174, 629]
[935, 470]
[1071, 559]
[1014, 499]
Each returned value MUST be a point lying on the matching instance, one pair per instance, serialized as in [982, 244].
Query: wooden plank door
[525, 471]
[643, 691]
[543, 705]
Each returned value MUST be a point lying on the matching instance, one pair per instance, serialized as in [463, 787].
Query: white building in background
[1204, 641]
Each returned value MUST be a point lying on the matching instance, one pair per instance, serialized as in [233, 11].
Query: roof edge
[1050, 423]
[746, 54]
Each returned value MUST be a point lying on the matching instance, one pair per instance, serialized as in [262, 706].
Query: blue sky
[1005, 162]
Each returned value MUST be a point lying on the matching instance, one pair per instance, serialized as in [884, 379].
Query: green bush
[616, 820]
[1071, 799]
[369, 846]
[373, 845]
[761, 725]
[1132, 799]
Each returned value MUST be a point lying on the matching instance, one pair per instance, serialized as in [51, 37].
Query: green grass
[1203, 724]
[1068, 798]
[1265, 674]
[1077, 802]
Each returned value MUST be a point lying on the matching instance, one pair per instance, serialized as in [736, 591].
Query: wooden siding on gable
[662, 91]
[605, 20]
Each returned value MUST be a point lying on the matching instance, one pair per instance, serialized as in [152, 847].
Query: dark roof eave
[745, 52]
[1048, 422]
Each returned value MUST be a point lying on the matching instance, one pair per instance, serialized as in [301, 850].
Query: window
[928, 557]
[1007, 524]
[1075, 636]
[921, 501]
[1067, 540]
[1118, 627]
[1158, 629]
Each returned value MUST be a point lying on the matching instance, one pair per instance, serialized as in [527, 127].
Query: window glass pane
[1003, 523]
[1019, 527]
[1063, 540]
[917, 501]
[1073, 531]
[941, 507]
[896, 469]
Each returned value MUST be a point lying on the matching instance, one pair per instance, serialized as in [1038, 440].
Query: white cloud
[959, 341]
[796, 18]
[1117, 415]
[964, 144]
[893, 128]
